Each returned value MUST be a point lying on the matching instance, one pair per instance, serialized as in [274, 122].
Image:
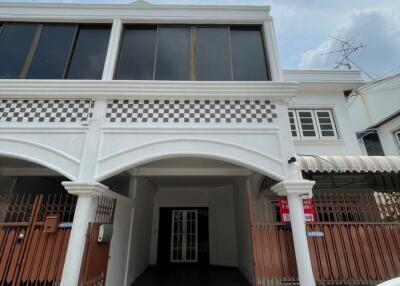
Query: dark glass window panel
[15, 44]
[173, 54]
[309, 133]
[248, 56]
[89, 54]
[137, 54]
[328, 133]
[213, 56]
[373, 145]
[51, 55]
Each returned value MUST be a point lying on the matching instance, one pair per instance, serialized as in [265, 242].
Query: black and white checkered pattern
[45, 110]
[191, 111]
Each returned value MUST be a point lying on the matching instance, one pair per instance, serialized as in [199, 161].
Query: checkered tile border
[45, 110]
[190, 111]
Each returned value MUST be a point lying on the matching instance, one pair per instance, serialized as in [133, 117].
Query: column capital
[85, 189]
[301, 187]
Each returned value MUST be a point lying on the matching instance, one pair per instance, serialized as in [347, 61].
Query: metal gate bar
[28, 254]
[96, 255]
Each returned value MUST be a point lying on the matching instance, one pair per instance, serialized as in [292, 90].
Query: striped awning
[341, 164]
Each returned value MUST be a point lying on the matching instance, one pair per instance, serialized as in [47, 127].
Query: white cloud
[378, 29]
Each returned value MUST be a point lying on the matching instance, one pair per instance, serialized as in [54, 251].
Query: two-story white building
[164, 145]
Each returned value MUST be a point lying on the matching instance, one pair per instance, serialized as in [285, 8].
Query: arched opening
[191, 219]
[36, 215]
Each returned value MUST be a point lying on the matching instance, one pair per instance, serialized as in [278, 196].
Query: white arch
[189, 147]
[40, 154]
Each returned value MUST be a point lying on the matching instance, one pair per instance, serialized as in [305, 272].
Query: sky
[304, 27]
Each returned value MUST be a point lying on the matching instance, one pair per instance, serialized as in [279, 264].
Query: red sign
[308, 206]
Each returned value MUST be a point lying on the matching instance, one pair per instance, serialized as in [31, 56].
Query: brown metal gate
[34, 234]
[355, 241]
[96, 254]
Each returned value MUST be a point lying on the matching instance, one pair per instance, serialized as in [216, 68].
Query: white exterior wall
[243, 231]
[141, 230]
[119, 254]
[373, 107]
[222, 232]
[375, 104]
[324, 89]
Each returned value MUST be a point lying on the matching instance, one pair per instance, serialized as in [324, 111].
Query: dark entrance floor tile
[185, 276]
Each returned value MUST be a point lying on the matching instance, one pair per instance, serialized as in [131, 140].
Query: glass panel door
[184, 236]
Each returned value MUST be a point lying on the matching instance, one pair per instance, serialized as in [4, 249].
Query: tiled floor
[211, 276]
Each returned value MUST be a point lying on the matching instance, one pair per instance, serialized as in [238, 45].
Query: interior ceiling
[192, 162]
[191, 182]
[6, 162]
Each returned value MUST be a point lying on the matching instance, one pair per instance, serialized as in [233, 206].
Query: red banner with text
[308, 206]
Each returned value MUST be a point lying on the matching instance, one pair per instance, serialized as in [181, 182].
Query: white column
[295, 188]
[84, 213]
[112, 51]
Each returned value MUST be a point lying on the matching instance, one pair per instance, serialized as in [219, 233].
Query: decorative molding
[43, 147]
[105, 13]
[85, 189]
[188, 140]
[191, 111]
[45, 110]
[151, 89]
[302, 187]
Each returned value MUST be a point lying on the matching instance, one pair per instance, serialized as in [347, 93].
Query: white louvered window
[312, 124]
[293, 124]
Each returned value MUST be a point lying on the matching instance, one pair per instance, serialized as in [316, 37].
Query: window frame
[396, 134]
[333, 124]
[315, 122]
[295, 123]
[193, 50]
[35, 41]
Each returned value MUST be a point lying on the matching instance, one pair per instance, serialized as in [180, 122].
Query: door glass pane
[90, 53]
[173, 54]
[51, 54]
[137, 53]
[213, 56]
[15, 44]
[248, 57]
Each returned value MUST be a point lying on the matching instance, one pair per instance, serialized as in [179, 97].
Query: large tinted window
[90, 52]
[15, 44]
[173, 58]
[137, 53]
[52, 51]
[248, 57]
[212, 54]
[51, 56]
[217, 53]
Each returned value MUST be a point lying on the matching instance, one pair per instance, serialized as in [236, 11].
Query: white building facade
[184, 116]
[375, 110]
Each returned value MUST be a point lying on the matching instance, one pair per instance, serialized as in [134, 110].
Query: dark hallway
[210, 276]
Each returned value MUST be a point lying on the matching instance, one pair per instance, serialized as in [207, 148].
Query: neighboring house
[375, 112]
[164, 145]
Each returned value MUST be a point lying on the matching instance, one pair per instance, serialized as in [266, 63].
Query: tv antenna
[346, 49]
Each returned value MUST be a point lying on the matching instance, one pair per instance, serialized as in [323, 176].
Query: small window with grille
[312, 124]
